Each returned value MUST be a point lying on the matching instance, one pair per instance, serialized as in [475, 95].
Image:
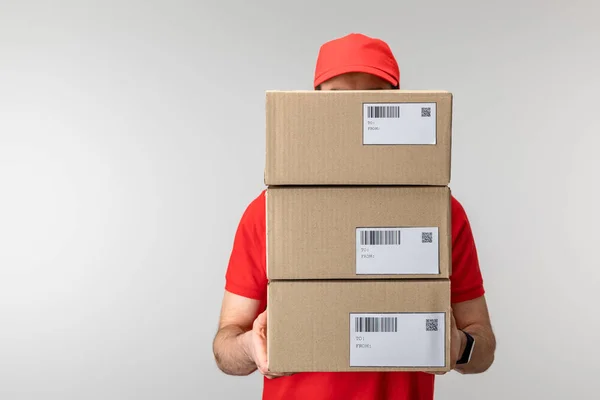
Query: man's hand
[458, 343]
[471, 316]
[256, 346]
[240, 345]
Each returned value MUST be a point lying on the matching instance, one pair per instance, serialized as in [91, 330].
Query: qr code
[431, 325]
[427, 237]
[425, 111]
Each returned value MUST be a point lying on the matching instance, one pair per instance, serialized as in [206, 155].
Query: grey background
[132, 139]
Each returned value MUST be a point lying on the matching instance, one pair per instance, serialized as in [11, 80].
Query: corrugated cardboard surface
[316, 137]
[308, 326]
[311, 231]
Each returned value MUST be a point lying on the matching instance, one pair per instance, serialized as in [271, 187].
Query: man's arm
[232, 344]
[472, 316]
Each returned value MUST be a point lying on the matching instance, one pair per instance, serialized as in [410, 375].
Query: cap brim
[354, 68]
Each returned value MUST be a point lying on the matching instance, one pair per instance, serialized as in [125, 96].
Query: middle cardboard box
[360, 232]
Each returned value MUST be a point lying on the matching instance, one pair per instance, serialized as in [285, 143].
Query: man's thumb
[261, 320]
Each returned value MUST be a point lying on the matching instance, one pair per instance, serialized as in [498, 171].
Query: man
[353, 62]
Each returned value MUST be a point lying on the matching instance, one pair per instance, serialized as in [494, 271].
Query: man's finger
[263, 368]
[453, 327]
[261, 354]
[261, 320]
[272, 375]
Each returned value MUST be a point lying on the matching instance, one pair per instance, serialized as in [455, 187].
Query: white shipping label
[399, 123]
[397, 251]
[398, 340]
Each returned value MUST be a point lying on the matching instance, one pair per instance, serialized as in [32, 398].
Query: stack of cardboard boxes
[358, 230]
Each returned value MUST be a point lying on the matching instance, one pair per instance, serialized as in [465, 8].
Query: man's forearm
[483, 353]
[230, 348]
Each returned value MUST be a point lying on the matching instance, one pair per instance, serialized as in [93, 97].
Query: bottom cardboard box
[337, 326]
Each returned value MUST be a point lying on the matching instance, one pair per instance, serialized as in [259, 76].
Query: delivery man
[352, 62]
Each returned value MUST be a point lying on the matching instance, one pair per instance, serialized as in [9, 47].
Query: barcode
[425, 111]
[431, 325]
[380, 237]
[376, 324]
[383, 111]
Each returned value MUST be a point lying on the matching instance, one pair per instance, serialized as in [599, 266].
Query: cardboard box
[325, 326]
[359, 232]
[373, 137]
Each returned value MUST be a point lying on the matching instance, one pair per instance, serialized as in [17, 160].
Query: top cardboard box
[372, 137]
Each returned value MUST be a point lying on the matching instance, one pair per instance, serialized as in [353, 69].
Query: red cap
[356, 53]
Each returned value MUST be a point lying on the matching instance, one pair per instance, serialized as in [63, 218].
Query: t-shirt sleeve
[246, 274]
[466, 280]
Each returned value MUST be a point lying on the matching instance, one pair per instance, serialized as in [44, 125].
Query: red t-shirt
[246, 276]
